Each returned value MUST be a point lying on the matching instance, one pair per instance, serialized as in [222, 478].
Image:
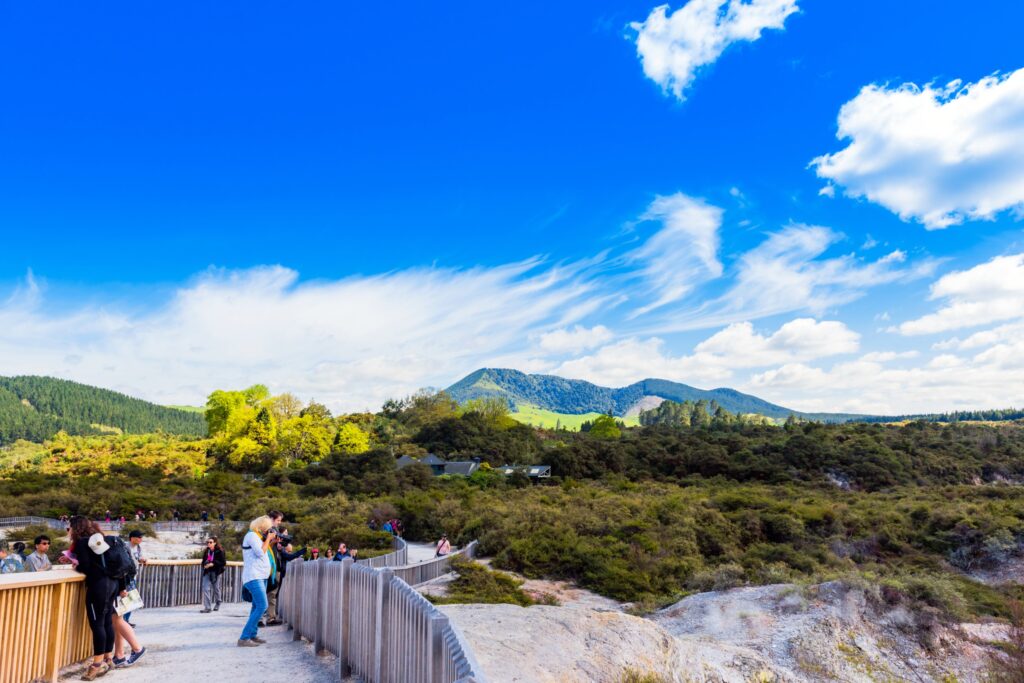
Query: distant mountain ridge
[574, 396]
[36, 408]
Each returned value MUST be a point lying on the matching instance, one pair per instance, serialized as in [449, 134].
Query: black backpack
[117, 561]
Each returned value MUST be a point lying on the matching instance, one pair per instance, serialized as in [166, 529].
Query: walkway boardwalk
[184, 645]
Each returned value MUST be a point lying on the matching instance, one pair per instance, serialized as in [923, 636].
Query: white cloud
[886, 356]
[674, 47]
[683, 253]
[574, 340]
[947, 382]
[987, 293]
[716, 358]
[786, 273]
[936, 155]
[827, 191]
[350, 343]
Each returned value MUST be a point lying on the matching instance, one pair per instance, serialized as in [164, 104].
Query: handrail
[190, 525]
[379, 627]
[415, 574]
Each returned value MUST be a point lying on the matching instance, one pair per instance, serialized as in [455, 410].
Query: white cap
[98, 544]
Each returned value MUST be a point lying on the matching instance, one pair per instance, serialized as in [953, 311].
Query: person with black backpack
[108, 567]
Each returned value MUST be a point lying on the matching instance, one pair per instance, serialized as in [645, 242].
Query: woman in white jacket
[257, 566]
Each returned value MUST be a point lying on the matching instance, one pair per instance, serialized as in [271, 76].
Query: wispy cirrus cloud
[937, 155]
[674, 47]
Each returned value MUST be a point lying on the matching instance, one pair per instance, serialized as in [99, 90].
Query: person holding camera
[257, 570]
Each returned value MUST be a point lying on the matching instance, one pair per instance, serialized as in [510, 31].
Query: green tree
[605, 427]
[351, 439]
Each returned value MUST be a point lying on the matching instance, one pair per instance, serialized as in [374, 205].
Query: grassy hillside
[538, 417]
[36, 408]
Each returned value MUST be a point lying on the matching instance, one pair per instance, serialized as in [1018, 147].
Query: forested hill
[574, 396]
[36, 408]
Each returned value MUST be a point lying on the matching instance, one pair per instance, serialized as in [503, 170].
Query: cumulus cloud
[938, 155]
[991, 379]
[987, 293]
[574, 340]
[715, 359]
[673, 48]
[350, 343]
[683, 253]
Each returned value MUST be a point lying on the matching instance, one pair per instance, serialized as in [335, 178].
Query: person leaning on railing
[10, 563]
[256, 570]
[38, 561]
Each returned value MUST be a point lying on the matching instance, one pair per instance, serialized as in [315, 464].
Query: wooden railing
[379, 627]
[114, 526]
[42, 625]
[165, 583]
[415, 574]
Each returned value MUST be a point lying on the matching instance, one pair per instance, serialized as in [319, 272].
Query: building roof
[463, 468]
[535, 471]
[431, 459]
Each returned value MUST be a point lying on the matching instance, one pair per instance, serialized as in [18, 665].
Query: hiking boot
[259, 640]
[135, 656]
[205, 610]
[216, 607]
[95, 671]
[246, 642]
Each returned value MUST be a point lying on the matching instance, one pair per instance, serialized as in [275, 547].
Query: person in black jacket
[282, 556]
[87, 546]
[214, 562]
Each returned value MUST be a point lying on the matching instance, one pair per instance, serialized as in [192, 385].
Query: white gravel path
[184, 645]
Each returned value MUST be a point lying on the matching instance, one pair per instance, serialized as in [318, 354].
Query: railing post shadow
[381, 640]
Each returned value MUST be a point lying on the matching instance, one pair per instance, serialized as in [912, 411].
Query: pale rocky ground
[184, 645]
[828, 632]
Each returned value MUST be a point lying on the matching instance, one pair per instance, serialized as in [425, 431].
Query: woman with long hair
[214, 562]
[257, 567]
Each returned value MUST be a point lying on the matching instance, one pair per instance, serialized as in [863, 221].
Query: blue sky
[353, 202]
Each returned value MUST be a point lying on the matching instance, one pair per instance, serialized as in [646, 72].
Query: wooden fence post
[381, 640]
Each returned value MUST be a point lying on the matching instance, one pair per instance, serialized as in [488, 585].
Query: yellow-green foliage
[538, 417]
[478, 584]
[79, 456]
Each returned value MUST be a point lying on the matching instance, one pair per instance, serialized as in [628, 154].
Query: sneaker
[135, 656]
[95, 671]
[245, 642]
[119, 662]
[259, 640]
[130, 624]
[216, 607]
[206, 610]
[274, 622]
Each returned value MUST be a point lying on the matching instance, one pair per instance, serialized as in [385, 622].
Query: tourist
[38, 560]
[10, 563]
[205, 516]
[152, 515]
[314, 554]
[214, 562]
[124, 634]
[444, 546]
[87, 544]
[221, 516]
[108, 517]
[387, 527]
[397, 527]
[329, 555]
[285, 554]
[175, 515]
[274, 582]
[135, 548]
[256, 571]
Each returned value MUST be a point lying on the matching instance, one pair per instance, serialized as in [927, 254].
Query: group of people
[266, 551]
[332, 556]
[14, 559]
[110, 567]
[392, 526]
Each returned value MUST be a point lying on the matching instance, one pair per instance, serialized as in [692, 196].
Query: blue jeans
[258, 588]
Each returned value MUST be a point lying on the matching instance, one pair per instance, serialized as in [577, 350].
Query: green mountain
[36, 408]
[575, 397]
